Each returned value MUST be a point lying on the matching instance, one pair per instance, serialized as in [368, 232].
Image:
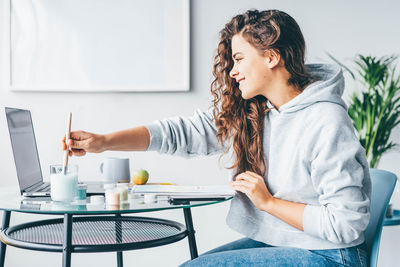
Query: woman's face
[250, 69]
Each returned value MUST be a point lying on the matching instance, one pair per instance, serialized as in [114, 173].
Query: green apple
[140, 176]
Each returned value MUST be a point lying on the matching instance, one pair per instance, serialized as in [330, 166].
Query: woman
[301, 175]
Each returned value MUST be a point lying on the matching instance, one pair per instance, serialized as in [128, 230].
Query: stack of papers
[186, 190]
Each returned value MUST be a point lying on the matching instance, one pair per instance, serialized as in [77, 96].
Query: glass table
[88, 227]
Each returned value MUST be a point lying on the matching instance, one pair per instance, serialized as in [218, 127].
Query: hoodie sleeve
[340, 175]
[182, 136]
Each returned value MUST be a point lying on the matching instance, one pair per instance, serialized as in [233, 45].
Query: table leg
[66, 261]
[118, 236]
[4, 225]
[190, 229]
[119, 259]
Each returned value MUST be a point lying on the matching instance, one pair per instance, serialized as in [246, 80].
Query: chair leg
[4, 225]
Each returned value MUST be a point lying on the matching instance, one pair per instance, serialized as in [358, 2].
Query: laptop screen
[24, 147]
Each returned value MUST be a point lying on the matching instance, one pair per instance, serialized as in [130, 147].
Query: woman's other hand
[254, 187]
[81, 142]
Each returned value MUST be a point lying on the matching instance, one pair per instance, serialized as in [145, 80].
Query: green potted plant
[375, 109]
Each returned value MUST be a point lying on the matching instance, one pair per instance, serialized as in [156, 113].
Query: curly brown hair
[242, 121]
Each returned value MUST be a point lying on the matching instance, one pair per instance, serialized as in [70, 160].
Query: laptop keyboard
[45, 187]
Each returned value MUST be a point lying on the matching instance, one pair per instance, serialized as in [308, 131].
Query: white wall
[342, 28]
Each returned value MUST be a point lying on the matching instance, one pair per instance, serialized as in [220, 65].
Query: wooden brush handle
[67, 137]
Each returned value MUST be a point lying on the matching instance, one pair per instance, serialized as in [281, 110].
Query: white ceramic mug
[115, 169]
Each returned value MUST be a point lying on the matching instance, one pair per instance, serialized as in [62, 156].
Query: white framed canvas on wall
[99, 45]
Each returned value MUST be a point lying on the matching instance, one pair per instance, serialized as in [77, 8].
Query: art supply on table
[97, 200]
[81, 192]
[112, 197]
[150, 198]
[123, 191]
[67, 137]
[63, 187]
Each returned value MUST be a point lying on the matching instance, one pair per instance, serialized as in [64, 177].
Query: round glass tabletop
[11, 200]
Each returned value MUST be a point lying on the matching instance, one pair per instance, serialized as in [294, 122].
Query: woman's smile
[239, 80]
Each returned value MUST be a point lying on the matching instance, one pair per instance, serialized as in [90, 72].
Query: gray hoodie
[313, 157]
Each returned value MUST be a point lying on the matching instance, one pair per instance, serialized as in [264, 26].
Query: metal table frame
[68, 248]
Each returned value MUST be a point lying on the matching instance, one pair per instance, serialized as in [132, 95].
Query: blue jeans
[248, 252]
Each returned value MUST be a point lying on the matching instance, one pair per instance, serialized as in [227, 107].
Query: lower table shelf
[96, 234]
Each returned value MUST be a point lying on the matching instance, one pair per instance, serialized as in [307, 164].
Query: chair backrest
[383, 183]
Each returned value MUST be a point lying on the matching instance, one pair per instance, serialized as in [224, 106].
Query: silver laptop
[26, 156]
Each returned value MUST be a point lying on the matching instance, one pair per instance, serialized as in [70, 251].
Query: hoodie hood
[328, 86]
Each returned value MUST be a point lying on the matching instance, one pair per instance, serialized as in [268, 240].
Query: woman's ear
[272, 58]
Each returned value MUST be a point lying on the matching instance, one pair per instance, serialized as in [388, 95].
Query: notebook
[26, 156]
[186, 191]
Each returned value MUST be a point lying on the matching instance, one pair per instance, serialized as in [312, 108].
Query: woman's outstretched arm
[134, 139]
